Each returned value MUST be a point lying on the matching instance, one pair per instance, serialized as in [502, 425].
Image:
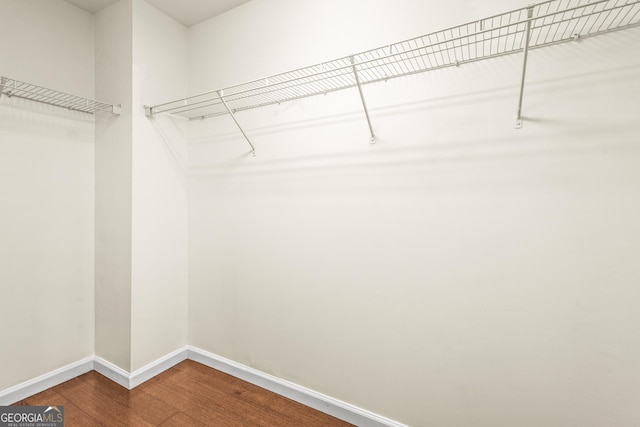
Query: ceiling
[187, 12]
[92, 6]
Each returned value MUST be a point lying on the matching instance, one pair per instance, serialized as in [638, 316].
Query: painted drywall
[55, 35]
[141, 226]
[47, 193]
[313, 32]
[113, 163]
[159, 207]
[457, 272]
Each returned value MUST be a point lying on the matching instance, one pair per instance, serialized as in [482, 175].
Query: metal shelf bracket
[364, 103]
[233, 116]
[527, 38]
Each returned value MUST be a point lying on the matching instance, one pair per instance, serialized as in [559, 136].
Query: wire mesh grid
[552, 22]
[11, 87]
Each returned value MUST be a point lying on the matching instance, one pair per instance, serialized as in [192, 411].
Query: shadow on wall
[435, 154]
[172, 135]
[547, 130]
[34, 118]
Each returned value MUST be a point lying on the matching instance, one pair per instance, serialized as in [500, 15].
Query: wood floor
[189, 394]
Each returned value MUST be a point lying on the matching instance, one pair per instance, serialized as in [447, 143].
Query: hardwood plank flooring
[189, 394]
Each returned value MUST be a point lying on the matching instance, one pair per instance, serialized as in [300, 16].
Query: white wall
[141, 263]
[47, 193]
[159, 210]
[49, 43]
[113, 140]
[458, 272]
[313, 32]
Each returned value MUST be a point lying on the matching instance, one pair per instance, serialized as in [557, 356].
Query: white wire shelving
[539, 25]
[11, 87]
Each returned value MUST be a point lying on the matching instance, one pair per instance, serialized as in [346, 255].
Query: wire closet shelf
[11, 87]
[546, 23]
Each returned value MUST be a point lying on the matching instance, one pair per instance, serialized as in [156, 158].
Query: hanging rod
[542, 24]
[11, 87]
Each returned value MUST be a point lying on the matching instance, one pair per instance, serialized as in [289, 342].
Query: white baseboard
[93, 363]
[111, 371]
[149, 371]
[334, 407]
[44, 382]
[137, 377]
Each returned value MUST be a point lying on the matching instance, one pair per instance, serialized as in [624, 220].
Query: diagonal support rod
[364, 104]
[233, 116]
[3, 82]
[527, 38]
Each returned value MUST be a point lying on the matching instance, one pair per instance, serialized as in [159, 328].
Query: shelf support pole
[364, 103]
[233, 116]
[527, 38]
